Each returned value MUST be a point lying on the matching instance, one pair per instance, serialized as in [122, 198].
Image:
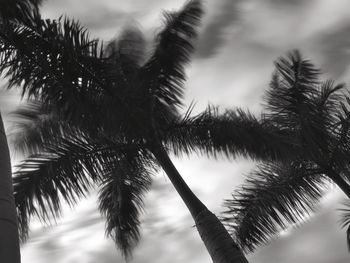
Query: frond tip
[345, 221]
[173, 48]
[121, 200]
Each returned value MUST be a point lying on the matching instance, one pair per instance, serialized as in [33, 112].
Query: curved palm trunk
[217, 240]
[9, 241]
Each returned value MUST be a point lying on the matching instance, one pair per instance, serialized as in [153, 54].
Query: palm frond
[335, 115]
[34, 125]
[272, 197]
[296, 102]
[329, 99]
[232, 133]
[340, 147]
[345, 222]
[164, 72]
[291, 90]
[19, 10]
[53, 61]
[57, 63]
[42, 179]
[64, 170]
[125, 182]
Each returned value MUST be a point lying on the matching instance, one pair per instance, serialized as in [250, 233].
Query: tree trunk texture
[217, 240]
[9, 240]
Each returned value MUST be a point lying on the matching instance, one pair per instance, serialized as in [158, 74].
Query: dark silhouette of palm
[109, 116]
[316, 116]
[11, 11]
[19, 10]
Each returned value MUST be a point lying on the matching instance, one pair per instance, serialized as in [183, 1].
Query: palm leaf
[20, 10]
[53, 61]
[273, 196]
[345, 222]
[65, 168]
[34, 125]
[299, 103]
[291, 90]
[328, 100]
[121, 199]
[340, 149]
[232, 133]
[164, 72]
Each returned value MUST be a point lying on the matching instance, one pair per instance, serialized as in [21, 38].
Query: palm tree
[9, 241]
[317, 116]
[110, 116]
[11, 11]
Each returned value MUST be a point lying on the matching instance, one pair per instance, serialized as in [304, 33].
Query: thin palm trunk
[340, 182]
[9, 241]
[217, 240]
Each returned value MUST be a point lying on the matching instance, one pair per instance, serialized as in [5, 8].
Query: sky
[232, 66]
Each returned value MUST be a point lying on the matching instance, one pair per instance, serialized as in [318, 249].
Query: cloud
[335, 47]
[9, 100]
[289, 3]
[213, 36]
[106, 18]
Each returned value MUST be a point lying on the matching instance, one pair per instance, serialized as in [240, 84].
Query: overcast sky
[232, 66]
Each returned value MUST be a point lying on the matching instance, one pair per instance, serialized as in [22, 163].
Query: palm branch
[231, 133]
[172, 52]
[273, 197]
[19, 10]
[121, 199]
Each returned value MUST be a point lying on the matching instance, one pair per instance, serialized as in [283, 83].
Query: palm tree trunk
[9, 241]
[340, 182]
[217, 240]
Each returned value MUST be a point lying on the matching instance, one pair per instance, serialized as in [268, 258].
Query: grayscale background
[232, 66]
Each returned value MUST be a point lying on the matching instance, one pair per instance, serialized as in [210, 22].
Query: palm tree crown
[316, 116]
[108, 115]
